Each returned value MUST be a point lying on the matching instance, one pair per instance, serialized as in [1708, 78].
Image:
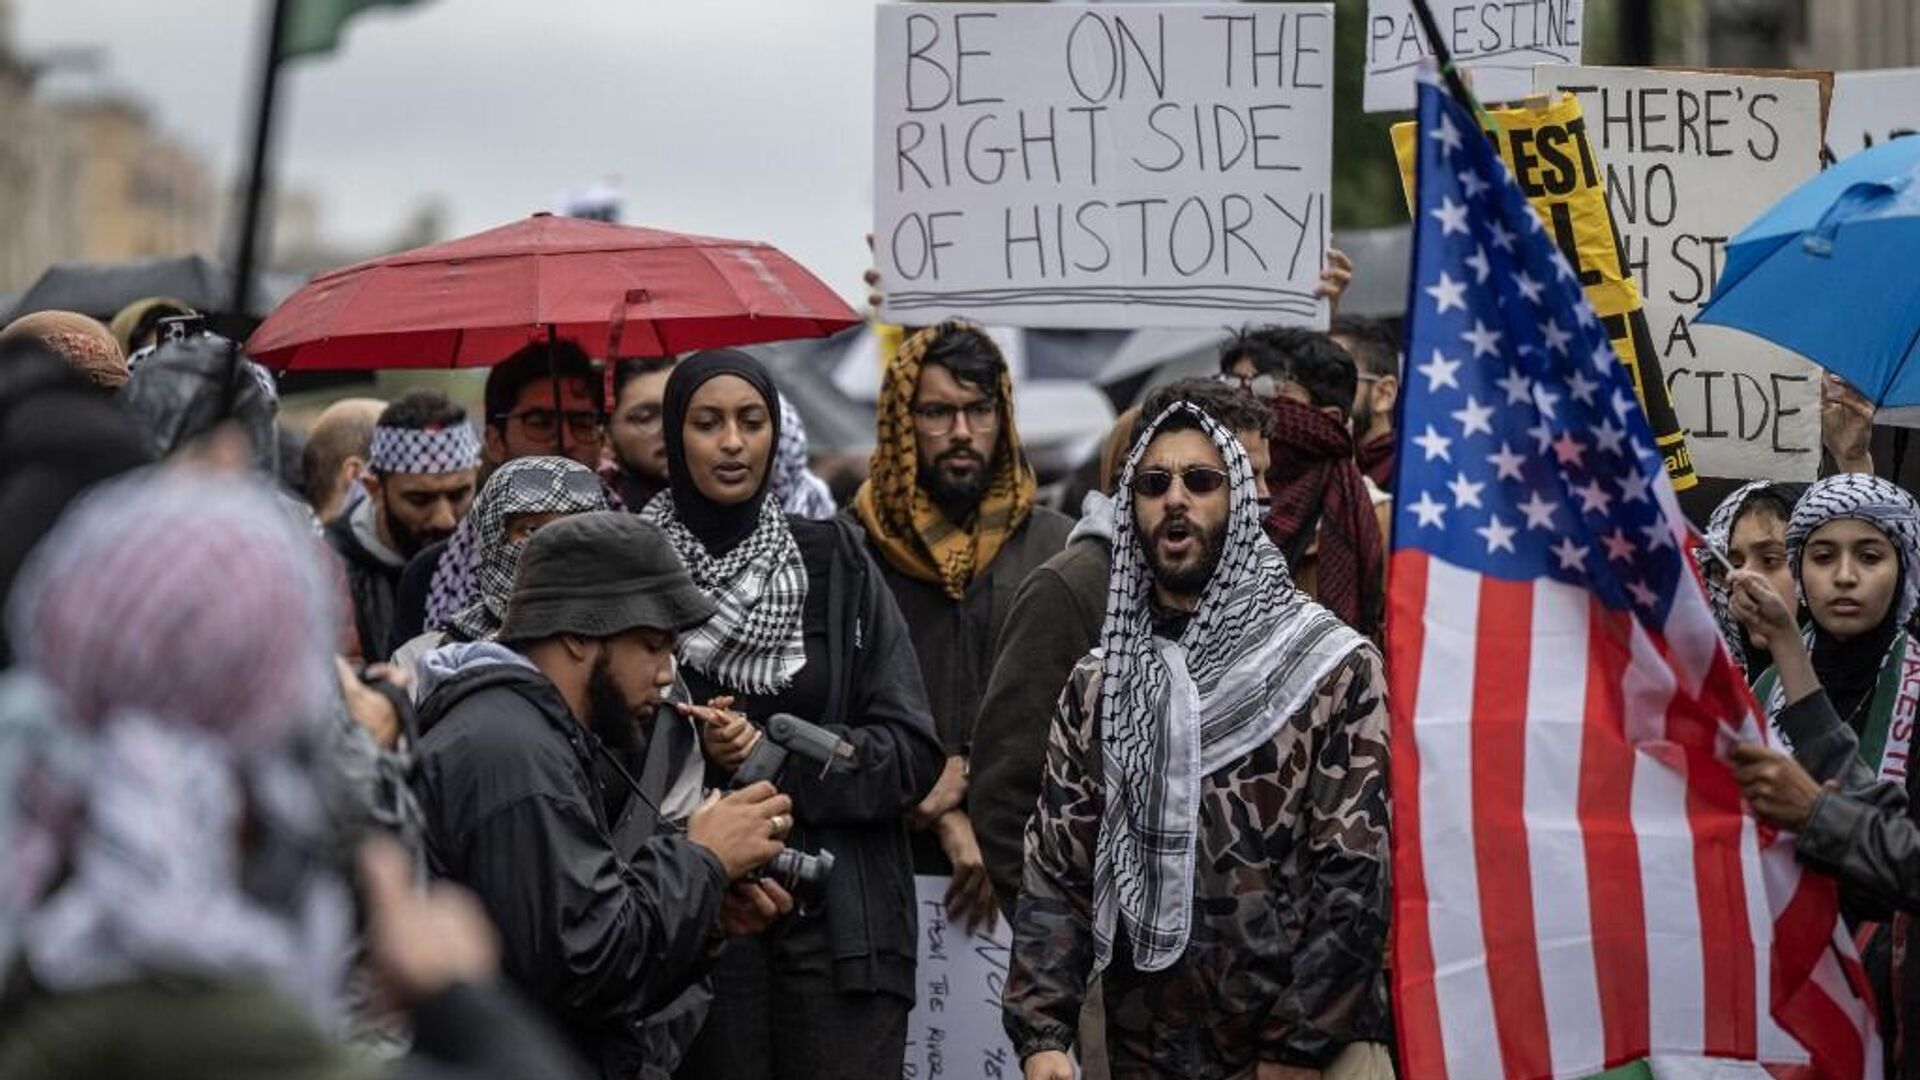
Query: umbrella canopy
[1828, 273]
[615, 290]
[101, 289]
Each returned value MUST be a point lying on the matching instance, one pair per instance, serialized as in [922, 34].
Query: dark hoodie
[506, 777]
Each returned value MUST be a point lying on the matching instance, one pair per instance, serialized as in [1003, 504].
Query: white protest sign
[1499, 42]
[954, 1029]
[1870, 107]
[1131, 166]
[1690, 158]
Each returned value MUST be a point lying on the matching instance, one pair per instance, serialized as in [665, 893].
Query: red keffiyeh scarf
[1317, 489]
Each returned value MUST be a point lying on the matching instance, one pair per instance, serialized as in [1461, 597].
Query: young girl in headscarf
[1749, 530]
[806, 627]
[1842, 698]
[1853, 544]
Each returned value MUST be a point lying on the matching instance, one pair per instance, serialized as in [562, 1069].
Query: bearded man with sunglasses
[1211, 836]
[949, 513]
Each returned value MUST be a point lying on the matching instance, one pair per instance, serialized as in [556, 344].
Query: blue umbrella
[1832, 272]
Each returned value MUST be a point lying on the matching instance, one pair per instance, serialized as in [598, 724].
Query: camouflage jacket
[1290, 908]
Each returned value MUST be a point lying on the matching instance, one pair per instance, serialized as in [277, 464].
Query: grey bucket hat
[598, 575]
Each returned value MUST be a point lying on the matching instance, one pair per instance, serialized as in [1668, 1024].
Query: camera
[784, 735]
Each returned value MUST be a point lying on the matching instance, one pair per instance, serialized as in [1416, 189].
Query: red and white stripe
[1576, 884]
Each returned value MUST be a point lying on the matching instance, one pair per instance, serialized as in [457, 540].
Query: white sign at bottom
[955, 1030]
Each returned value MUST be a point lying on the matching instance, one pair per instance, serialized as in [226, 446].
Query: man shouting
[1211, 837]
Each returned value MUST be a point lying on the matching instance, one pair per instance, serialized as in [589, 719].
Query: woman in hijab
[172, 895]
[1840, 695]
[805, 627]
[1748, 530]
[795, 486]
[1853, 544]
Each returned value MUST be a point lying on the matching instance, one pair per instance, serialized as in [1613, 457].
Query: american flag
[1576, 883]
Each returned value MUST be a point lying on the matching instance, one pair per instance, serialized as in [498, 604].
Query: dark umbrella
[101, 289]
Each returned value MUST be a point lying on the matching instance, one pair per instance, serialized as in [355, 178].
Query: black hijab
[1849, 671]
[719, 527]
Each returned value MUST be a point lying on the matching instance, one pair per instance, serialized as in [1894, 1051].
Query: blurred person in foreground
[88, 347]
[513, 736]
[175, 898]
[950, 515]
[1235, 911]
[335, 457]
[419, 483]
[1841, 696]
[58, 436]
[545, 400]
[1326, 517]
[1055, 620]
[1375, 349]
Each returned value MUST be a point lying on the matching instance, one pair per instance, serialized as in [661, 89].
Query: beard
[408, 541]
[958, 498]
[1362, 413]
[608, 714]
[1188, 578]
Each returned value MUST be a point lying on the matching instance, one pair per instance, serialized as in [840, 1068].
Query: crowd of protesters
[474, 753]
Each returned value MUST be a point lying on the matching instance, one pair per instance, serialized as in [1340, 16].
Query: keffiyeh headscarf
[1880, 503]
[1719, 538]
[174, 636]
[912, 532]
[795, 487]
[534, 485]
[742, 555]
[1174, 712]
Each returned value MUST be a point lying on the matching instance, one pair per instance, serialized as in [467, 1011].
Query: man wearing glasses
[637, 438]
[949, 510]
[543, 401]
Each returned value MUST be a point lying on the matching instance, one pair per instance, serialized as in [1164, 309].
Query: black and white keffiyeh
[1719, 538]
[1174, 712]
[423, 451]
[1863, 497]
[793, 484]
[533, 485]
[755, 641]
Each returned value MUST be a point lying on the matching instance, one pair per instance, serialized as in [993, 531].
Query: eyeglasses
[1264, 387]
[936, 418]
[542, 423]
[1197, 479]
[535, 484]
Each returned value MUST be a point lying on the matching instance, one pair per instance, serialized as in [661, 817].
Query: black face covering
[719, 527]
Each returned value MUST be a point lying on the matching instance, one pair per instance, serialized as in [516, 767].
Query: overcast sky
[741, 118]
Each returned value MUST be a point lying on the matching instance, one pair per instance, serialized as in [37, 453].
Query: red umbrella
[615, 290]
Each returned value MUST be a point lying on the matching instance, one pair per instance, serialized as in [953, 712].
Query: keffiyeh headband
[1174, 712]
[423, 451]
[1863, 497]
[535, 485]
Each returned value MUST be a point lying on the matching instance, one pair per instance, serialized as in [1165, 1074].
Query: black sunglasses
[1197, 479]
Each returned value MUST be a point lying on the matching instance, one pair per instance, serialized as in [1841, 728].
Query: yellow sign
[1552, 160]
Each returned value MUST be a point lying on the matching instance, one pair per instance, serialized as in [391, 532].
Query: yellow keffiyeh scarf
[912, 532]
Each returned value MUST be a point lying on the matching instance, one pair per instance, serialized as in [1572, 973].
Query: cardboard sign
[1550, 153]
[1132, 166]
[1870, 107]
[1690, 158]
[955, 1029]
[1499, 43]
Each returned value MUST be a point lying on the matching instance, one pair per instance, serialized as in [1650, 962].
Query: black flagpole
[256, 191]
[1455, 84]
